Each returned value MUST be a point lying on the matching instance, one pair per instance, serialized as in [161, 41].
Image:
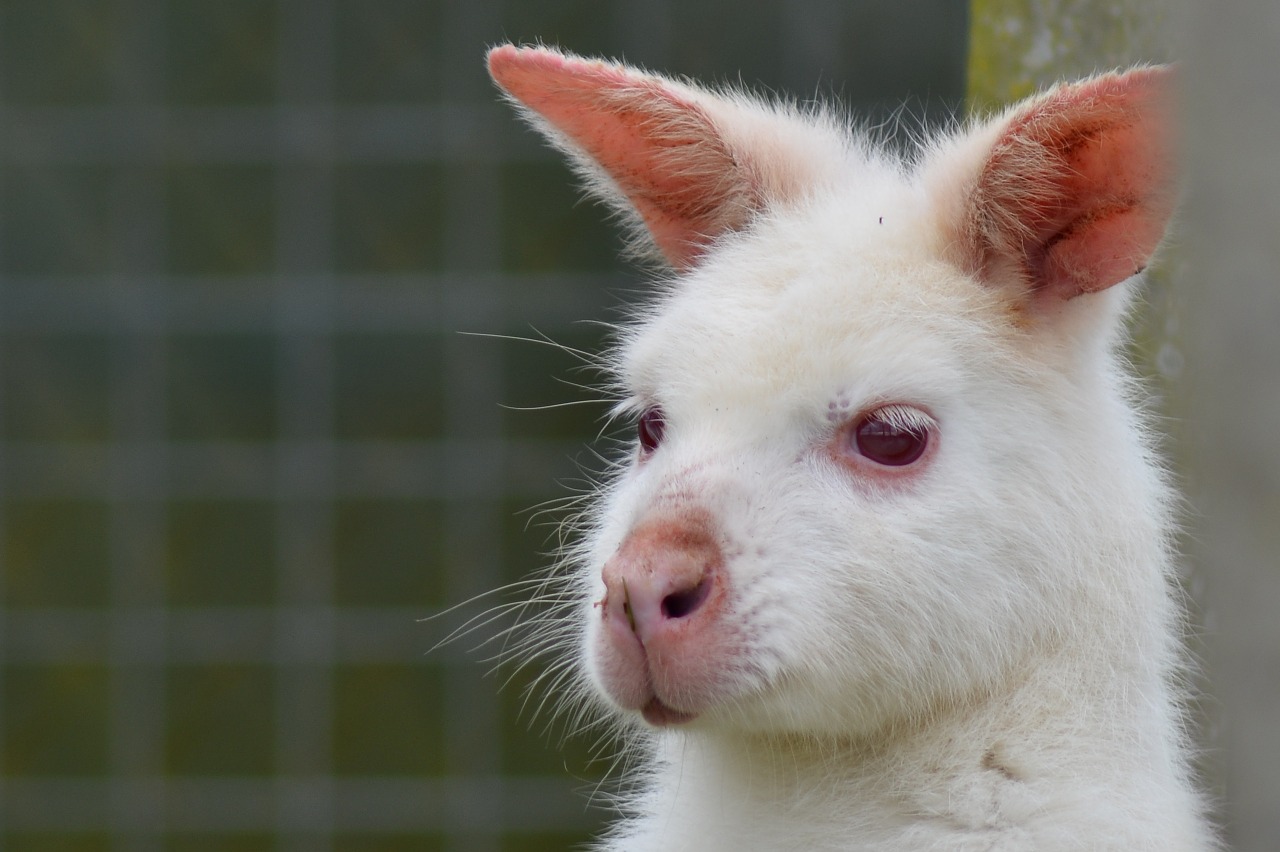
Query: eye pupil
[650, 428]
[888, 443]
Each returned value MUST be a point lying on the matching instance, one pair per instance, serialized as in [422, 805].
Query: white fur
[983, 656]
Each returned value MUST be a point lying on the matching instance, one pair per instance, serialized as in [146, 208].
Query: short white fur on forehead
[800, 324]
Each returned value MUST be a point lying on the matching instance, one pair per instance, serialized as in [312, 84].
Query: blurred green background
[244, 449]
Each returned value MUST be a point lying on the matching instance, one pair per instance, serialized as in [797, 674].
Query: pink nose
[662, 577]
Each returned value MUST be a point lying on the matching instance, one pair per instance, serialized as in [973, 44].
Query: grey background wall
[1230, 296]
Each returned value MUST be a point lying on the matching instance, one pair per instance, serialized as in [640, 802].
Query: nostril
[683, 603]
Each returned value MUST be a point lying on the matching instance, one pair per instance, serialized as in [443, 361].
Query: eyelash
[651, 426]
[891, 436]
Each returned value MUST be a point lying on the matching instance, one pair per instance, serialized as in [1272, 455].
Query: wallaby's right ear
[1067, 193]
[690, 164]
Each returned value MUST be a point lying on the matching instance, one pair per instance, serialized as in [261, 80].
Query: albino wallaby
[889, 567]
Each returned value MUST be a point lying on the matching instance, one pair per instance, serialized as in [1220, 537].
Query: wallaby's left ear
[1069, 192]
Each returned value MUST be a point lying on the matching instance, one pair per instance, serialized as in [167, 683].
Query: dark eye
[650, 428]
[893, 436]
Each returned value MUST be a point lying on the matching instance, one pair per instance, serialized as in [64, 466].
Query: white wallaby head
[887, 465]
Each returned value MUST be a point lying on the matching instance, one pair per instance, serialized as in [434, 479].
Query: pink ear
[1078, 187]
[652, 139]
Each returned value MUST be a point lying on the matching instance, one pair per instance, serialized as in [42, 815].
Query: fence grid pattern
[244, 451]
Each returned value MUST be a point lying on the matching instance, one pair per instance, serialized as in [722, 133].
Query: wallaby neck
[1021, 768]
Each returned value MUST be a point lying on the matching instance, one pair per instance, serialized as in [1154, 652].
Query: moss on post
[1019, 46]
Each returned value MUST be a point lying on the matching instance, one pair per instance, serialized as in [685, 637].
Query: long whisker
[528, 631]
[552, 406]
[541, 340]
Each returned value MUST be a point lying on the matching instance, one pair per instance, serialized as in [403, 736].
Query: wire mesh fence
[244, 451]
